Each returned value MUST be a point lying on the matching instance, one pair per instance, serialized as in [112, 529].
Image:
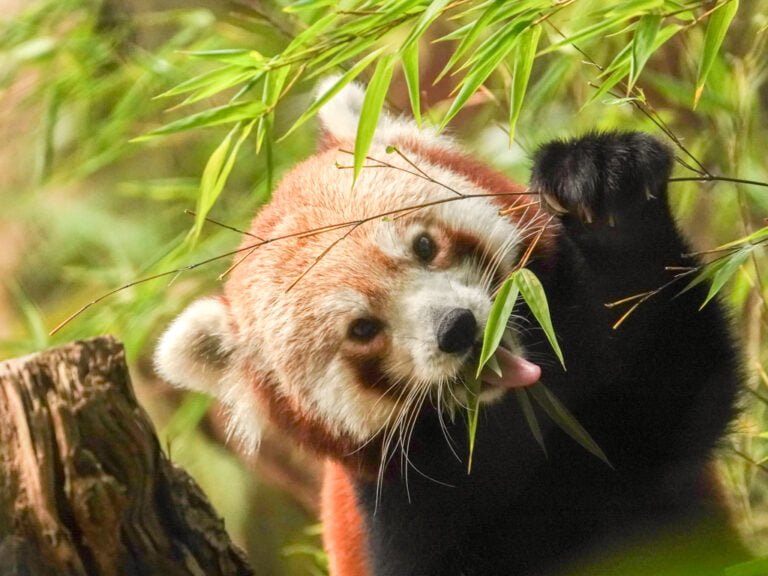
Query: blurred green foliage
[118, 117]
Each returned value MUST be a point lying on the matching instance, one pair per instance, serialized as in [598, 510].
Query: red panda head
[366, 299]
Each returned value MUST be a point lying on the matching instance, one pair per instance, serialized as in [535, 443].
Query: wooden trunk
[84, 486]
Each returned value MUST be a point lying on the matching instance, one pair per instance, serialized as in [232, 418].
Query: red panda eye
[424, 247]
[364, 329]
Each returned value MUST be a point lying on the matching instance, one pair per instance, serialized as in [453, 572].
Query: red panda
[351, 324]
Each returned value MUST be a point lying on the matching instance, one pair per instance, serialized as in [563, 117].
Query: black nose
[456, 330]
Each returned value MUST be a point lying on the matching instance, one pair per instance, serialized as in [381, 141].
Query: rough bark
[84, 486]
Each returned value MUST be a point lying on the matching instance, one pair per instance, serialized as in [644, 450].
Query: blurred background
[86, 208]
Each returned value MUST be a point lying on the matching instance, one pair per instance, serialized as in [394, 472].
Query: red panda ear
[340, 115]
[196, 349]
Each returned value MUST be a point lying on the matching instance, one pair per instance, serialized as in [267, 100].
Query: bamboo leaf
[472, 385]
[237, 56]
[410, 65]
[726, 271]
[479, 73]
[561, 416]
[220, 76]
[530, 417]
[496, 324]
[227, 114]
[375, 95]
[249, 78]
[533, 293]
[601, 28]
[643, 45]
[434, 9]
[343, 80]
[216, 173]
[755, 237]
[718, 25]
[471, 32]
[521, 73]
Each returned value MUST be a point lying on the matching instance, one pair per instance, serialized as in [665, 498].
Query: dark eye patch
[364, 329]
[424, 247]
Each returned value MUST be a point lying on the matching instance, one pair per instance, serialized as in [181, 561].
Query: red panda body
[349, 327]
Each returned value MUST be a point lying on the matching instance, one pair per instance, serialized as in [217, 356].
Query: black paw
[601, 176]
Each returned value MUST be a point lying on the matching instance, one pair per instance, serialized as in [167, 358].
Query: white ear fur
[195, 351]
[341, 115]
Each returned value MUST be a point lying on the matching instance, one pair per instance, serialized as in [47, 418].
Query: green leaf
[533, 293]
[565, 420]
[410, 63]
[224, 76]
[215, 116]
[433, 11]
[238, 56]
[494, 366]
[496, 325]
[215, 175]
[756, 237]
[521, 72]
[718, 25]
[601, 28]
[373, 102]
[724, 273]
[530, 417]
[472, 385]
[343, 80]
[643, 45]
[249, 76]
[630, 8]
[719, 272]
[496, 52]
[471, 33]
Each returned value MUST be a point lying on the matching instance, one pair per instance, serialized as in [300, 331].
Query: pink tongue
[516, 372]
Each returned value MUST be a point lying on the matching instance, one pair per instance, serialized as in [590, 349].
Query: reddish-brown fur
[343, 526]
[281, 264]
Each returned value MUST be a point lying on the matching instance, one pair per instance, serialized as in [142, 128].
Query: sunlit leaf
[411, 72]
[533, 293]
[216, 173]
[758, 236]
[724, 272]
[215, 116]
[434, 9]
[598, 29]
[470, 33]
[479, 73]
[498, 317]
[237, 56]
[643, 45]
[561, 416]
[373, 102]
[343, 80]
[718, 25]
[526, 53]
[218, 76]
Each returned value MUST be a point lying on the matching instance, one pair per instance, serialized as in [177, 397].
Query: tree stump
[84, 486]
